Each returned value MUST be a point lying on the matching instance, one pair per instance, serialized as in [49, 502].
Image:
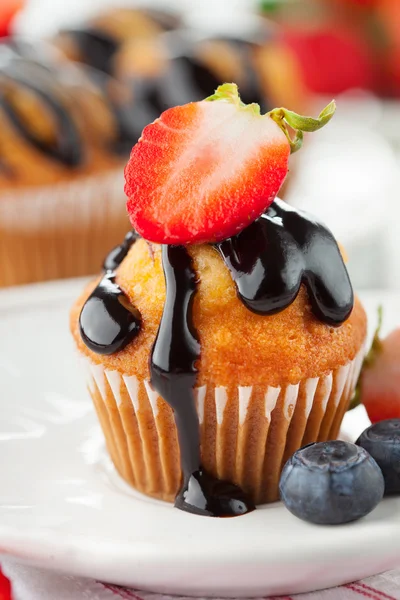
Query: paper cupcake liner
[247, 433]
[61, 230]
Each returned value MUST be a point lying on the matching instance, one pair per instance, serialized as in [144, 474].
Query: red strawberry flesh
[206, 170]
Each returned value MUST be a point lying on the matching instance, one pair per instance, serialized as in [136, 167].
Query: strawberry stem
[299, 124]
[229, 92]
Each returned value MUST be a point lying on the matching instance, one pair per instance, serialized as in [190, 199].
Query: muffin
[227, 336]
[65, 138]
[98, 42]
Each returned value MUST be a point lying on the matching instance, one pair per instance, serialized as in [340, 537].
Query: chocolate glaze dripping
[268, 261]
[108, 322]
[173, 376]
[272, 257]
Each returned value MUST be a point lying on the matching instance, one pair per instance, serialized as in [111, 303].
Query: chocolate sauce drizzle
[268, 261]
[108, 321]
[173, 376]
[284, 248]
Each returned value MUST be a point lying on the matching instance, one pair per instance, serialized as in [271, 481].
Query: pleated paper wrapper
[61, 230]
[247, 433]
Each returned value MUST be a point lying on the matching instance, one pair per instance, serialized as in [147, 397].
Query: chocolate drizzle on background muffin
[94, 47]
[268, 261]
[97, 42]
[189, 66]
[55, 89]
[19, 74]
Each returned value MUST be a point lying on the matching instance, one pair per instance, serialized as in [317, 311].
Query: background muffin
[99, 41]
[66, 133]
[188, 66]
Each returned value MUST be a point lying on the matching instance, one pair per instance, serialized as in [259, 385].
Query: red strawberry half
[379, 385]
[206, 170]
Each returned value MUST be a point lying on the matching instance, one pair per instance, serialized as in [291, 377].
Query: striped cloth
[36, 584]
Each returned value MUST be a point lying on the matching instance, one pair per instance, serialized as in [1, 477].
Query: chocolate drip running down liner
[268, 262]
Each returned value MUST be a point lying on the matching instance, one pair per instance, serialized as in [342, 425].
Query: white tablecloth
[35, 584]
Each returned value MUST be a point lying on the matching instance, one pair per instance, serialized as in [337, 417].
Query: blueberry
[331, 483]
[382, 441]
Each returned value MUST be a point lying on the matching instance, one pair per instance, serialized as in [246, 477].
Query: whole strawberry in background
[331, 60]
[5, 587]
[378, 388]
[8, 10]
[339, 45]
[378, 24]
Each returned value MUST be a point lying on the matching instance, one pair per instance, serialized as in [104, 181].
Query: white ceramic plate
[63, 507]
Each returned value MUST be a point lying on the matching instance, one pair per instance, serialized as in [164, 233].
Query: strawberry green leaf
[229, 92]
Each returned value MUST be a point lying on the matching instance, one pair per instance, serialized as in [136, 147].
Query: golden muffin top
[238, 347]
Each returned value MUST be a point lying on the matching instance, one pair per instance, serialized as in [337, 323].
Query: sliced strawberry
[205, 170]
[5, 587]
